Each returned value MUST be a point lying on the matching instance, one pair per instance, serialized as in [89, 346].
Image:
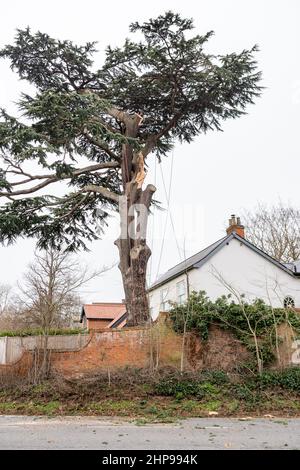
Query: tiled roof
[103, 311]
[118, 322]
[202, 256]
[293, 266]
[187, 264]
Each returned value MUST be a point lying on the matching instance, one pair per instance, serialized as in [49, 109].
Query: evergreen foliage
[72, 128]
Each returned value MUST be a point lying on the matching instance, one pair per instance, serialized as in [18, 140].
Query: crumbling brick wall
[18, 370]
[141, 348]
[159, 346]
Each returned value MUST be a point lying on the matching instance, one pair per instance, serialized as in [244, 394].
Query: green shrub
[217, 377]
[287, 379]
[244, 392]
[40, 332]
[179, 389]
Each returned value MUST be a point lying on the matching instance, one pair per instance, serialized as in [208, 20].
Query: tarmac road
[27, 432]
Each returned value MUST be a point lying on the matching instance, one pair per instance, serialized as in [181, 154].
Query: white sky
[255, 159]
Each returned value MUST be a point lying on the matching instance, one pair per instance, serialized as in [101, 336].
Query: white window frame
[164, 302]
[181, 291]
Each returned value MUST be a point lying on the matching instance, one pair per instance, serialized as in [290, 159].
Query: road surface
[21, 432]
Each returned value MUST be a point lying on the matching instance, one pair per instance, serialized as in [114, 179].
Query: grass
[212, 405]
[162, 397]
[7, 407]
[118, 407]
[50, 408]
[166, 410]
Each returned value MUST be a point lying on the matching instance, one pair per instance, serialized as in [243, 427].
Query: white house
[230, 264]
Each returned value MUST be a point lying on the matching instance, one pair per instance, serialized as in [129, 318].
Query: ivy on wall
[247, 321]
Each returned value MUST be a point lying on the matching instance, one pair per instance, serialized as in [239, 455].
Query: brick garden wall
[141, 347]
[19, 369]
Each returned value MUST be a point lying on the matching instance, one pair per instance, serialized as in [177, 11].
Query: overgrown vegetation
[247, 321]
[164, 396]
[184, 387]
[288, 379]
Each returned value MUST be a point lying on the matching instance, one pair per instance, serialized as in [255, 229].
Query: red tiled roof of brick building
[103, 310]
[104, 314]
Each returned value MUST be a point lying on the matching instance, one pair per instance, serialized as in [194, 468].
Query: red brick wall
[19, 369]
[107, 349]
[97, 324]
[138, 347]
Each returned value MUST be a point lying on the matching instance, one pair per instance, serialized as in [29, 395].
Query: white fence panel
[57, 342]
[3, 341]
[12, 348]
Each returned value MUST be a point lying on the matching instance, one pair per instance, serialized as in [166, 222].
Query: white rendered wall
[171, 294]
[245, 270]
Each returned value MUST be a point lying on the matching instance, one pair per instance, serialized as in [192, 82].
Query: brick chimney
[236, 226]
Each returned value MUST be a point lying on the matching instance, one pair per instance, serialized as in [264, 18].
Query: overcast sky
[255, 159]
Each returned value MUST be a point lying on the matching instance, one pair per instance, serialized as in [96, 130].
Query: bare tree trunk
[134, 253]
[257, 352]
[134, 282]
[41, 366]
[183, 349]
[186, 318]
[46, 364]
[276, 340]
[134, 210]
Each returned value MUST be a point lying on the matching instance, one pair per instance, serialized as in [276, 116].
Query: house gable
[200, 258]
[248, 273]
[251, 271]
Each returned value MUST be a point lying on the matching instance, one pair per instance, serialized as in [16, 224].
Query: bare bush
[49, 299]
[5, 290]
[275, 230]
[49, 289]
